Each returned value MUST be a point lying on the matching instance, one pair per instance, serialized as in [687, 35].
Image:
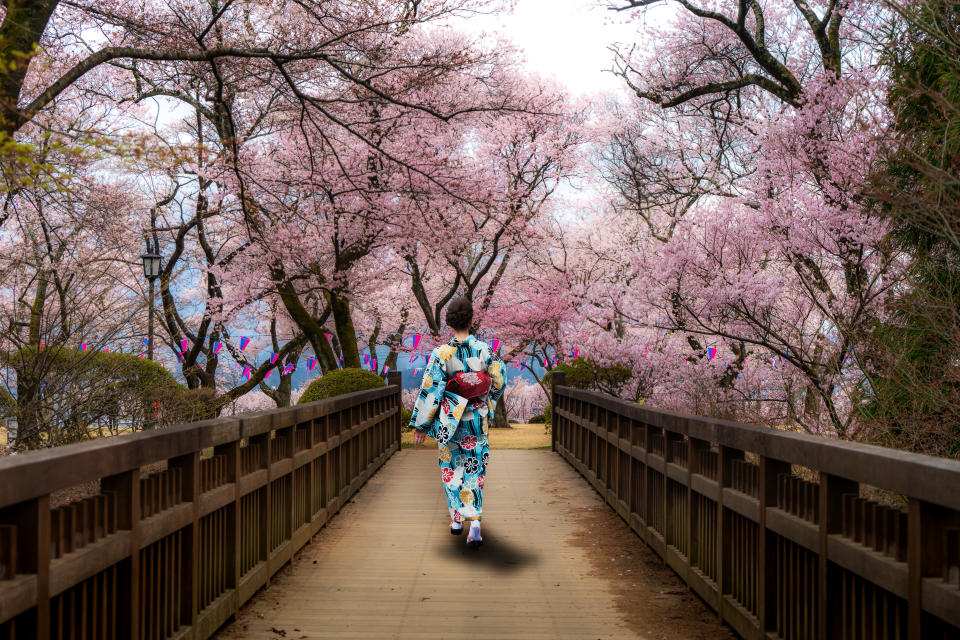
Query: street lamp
[152, 263]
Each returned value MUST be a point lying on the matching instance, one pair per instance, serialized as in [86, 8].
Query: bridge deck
[385, 567]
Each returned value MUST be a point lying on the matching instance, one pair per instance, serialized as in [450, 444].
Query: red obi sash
[469, 384]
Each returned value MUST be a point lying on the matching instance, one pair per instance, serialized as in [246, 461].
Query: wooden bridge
[175, 533]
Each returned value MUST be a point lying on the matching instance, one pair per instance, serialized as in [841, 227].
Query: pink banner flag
[184, 344]
[273, 358]
[373, 365]
[244, 341]
[246, 372]
[290, 368]
[216, 347]
[386, 369]
[415, 371]
[495, 344]
[327, 336]
[416, 341]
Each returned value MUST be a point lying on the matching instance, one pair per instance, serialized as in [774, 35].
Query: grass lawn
[521, 436]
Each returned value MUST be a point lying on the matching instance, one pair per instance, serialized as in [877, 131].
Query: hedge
[339, 382]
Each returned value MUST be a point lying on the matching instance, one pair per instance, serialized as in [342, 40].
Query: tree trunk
[28, 411]
[346, 334]
[20, 32]
[500, 415]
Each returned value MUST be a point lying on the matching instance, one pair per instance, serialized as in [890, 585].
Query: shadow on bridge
[500, 554]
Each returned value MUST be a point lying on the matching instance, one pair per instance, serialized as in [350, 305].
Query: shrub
[538, 419]
[584, 373]
[337, 383]
[65, 395]
[8, 406]
[405, 416]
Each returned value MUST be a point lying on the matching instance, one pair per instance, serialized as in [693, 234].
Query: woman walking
[462, 383]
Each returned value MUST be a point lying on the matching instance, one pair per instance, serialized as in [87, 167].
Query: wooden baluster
[8, 552]
[56, 534]
[69, 529]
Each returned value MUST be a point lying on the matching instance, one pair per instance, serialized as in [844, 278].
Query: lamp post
[152, 263]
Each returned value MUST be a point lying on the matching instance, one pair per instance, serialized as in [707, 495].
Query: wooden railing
[781, 533]
[181, 525]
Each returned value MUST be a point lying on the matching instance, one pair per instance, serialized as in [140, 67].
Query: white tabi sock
[474, 530]
[456, 525]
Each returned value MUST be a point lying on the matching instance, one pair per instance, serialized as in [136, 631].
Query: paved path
[386, 566]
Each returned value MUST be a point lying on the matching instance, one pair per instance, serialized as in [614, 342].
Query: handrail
[187, 523]
[44, 471]
[785, 535]
[925, 477]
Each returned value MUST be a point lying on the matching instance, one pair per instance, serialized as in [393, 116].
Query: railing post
[231, 453]
[557, 379]
[127, 488]
[832, 489]
[770, 470]
[694, 457]
[926, 555]
[724, 479]
[646, 473]
[189, 466]
[670, 532]
[395, 379]
[262, 443]
[31, 522]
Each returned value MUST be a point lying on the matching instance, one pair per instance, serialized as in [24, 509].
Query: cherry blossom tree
[761, 240]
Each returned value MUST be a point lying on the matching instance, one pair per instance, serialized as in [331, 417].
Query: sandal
[456, 530]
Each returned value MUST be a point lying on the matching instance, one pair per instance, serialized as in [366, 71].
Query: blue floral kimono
[459, 425]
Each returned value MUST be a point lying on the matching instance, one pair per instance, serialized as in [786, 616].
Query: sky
[567, 39]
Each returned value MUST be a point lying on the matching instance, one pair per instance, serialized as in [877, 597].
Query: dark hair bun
[460, 314]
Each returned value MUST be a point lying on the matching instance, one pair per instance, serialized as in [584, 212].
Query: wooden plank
[412, 579]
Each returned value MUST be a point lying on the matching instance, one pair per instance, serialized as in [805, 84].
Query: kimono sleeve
[498, 381]
[431, 394]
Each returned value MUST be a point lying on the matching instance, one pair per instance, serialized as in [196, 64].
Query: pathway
[386, 567]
